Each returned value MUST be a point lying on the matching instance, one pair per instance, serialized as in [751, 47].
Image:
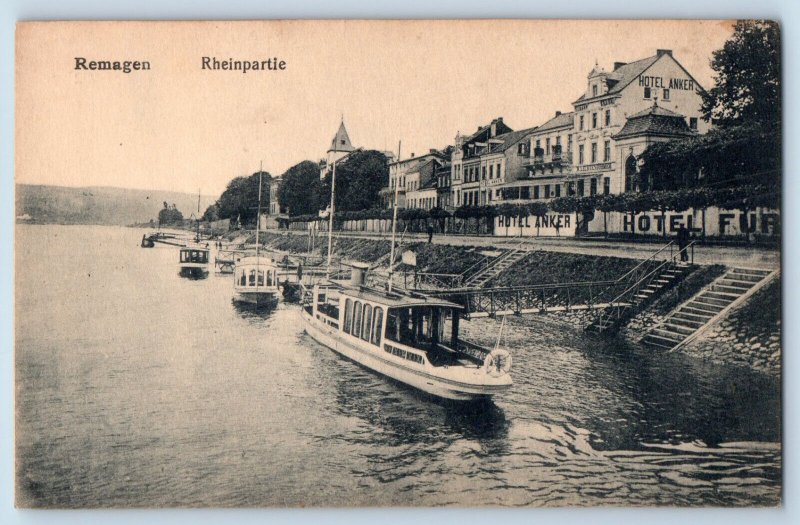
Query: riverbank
[749, 336]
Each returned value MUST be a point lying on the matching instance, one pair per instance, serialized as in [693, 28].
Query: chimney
[412, 155]
[433, 151]
[618, 65]
[493, 130]
[558, 113]
[662, 52]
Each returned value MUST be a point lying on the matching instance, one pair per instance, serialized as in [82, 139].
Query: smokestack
[358, 277]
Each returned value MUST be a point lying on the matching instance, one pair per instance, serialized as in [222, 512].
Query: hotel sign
[603, 166]
[684, 84]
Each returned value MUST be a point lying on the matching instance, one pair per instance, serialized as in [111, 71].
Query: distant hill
[99, 205]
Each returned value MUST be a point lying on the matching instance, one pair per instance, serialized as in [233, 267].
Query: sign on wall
[713, 223]
[550, 225]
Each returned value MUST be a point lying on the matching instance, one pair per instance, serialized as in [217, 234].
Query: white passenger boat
[193, 262]
[256, 281]
[408, 337]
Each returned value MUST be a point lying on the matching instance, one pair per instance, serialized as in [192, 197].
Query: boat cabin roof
[194, 249]
[393, 299]
[261, 260]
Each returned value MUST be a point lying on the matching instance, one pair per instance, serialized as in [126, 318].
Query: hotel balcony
[555, 157]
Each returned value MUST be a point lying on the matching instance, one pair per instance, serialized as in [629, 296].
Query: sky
[178, 127]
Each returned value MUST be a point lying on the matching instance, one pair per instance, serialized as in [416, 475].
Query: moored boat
[409, 337]
[256, 281]
[193, 262]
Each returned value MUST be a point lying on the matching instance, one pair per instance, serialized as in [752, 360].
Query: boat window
[377, 326]
[348, 315]
[367, 322]
[252, 279]
[418, 326]
[260, 278]
[357, 319]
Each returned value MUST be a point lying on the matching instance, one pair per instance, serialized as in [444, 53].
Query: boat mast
[330, 217]
[197, 218]
[258, 213]
[394, 214]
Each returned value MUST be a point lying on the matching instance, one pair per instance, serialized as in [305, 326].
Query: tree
[359, 179]
[240, 198]
[169, 215]
[300, 190]
[748, 76]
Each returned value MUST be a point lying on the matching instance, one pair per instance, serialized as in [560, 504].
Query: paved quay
[732, 256]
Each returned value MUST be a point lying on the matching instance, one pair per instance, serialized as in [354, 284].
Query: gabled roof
[559, 121]
[618, 79]
[508, 140]
[655, 121]
[341, 141]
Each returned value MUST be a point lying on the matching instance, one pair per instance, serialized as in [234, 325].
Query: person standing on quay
[683, 241]
[430, 233]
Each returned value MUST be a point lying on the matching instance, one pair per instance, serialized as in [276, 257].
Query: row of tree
[744, 197]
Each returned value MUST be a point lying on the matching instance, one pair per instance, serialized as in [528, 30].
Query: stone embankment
[750, 335]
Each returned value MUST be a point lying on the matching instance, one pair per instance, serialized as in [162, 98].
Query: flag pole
[394, 215]
[330, 217]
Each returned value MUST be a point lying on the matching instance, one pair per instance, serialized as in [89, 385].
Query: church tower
[340, 146]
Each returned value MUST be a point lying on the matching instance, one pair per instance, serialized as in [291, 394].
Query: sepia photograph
[398, 263]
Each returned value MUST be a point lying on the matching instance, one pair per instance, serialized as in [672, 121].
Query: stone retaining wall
[750, 335]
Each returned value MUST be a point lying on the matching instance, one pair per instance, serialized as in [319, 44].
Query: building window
[491, 171]
[666, 94]
[647, 92]
[580, 124]
[580, 188]
[593, 186]
[547, 147]
[498, 170]
[536, 192]
[608, 117]
[569, 143]
[606, 185]
[693, 123]
[558, 140]
[594, 90]
[483, 173]
[546, 191]
[558, 190]
[580, 154]
[570, 188]
[594, 152]
[594, 120]
[607, 151]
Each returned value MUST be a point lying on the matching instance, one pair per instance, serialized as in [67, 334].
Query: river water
[135, 387]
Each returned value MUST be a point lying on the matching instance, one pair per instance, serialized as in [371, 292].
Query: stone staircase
[495, 268]
[704, 307]
[638, 298]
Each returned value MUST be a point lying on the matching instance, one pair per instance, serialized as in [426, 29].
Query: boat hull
[435, 386]
[256, 298]
[193, 272]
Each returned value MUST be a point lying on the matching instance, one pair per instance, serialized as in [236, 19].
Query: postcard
[383, 263]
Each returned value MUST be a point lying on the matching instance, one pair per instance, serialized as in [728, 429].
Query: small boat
[409, 337]
[256, 281]
[194, 262]
[147, 242]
